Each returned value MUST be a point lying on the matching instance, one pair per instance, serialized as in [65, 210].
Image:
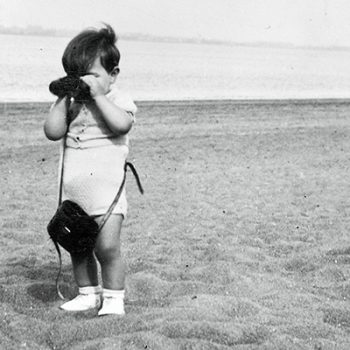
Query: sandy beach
[241, 240]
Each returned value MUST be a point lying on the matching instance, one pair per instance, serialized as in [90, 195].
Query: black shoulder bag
[72, 228]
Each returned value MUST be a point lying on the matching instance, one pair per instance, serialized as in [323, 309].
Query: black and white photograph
[175, 175]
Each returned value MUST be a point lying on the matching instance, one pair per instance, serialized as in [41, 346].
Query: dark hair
[83, 49]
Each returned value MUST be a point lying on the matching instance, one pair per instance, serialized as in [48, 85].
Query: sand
[241, 240]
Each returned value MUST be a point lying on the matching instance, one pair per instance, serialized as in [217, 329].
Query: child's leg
[107, 251]
[85, 273]
[85, 270]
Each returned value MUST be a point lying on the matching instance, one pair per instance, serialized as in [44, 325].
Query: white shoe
[113, 303]
[88, 298]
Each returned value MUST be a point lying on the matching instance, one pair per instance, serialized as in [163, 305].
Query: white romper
[94, 158]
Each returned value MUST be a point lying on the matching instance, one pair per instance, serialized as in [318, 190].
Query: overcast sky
[300, 22]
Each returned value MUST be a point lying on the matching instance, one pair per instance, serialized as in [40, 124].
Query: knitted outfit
[94, 158]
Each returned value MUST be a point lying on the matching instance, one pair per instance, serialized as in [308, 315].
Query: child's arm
[55, 126]
[117, 119]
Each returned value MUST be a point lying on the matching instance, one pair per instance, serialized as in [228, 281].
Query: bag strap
[116, 198]
[57, 282]
[68, 121]
[62, 170]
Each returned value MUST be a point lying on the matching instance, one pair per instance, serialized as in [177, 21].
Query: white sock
[90, 290]
[111, 293]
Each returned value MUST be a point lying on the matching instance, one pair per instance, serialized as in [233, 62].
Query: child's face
[104, 78]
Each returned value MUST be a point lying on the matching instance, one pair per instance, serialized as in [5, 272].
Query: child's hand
[96, 89]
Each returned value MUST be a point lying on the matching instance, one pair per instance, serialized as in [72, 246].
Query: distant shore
[3, 104]
[49, 32]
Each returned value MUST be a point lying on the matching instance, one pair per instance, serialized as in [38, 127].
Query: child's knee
[106, 254]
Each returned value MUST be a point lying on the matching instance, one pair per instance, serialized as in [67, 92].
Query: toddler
[95, 129]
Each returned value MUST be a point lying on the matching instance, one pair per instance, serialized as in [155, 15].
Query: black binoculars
[70, 86]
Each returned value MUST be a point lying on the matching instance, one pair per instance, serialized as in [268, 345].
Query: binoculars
[70, 86]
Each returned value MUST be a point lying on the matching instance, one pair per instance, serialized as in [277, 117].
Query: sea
[183, 71]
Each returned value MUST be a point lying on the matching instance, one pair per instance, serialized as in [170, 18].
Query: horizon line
[301, 100]
[50, 32]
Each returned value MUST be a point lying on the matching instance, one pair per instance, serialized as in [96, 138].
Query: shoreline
[209, 101]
